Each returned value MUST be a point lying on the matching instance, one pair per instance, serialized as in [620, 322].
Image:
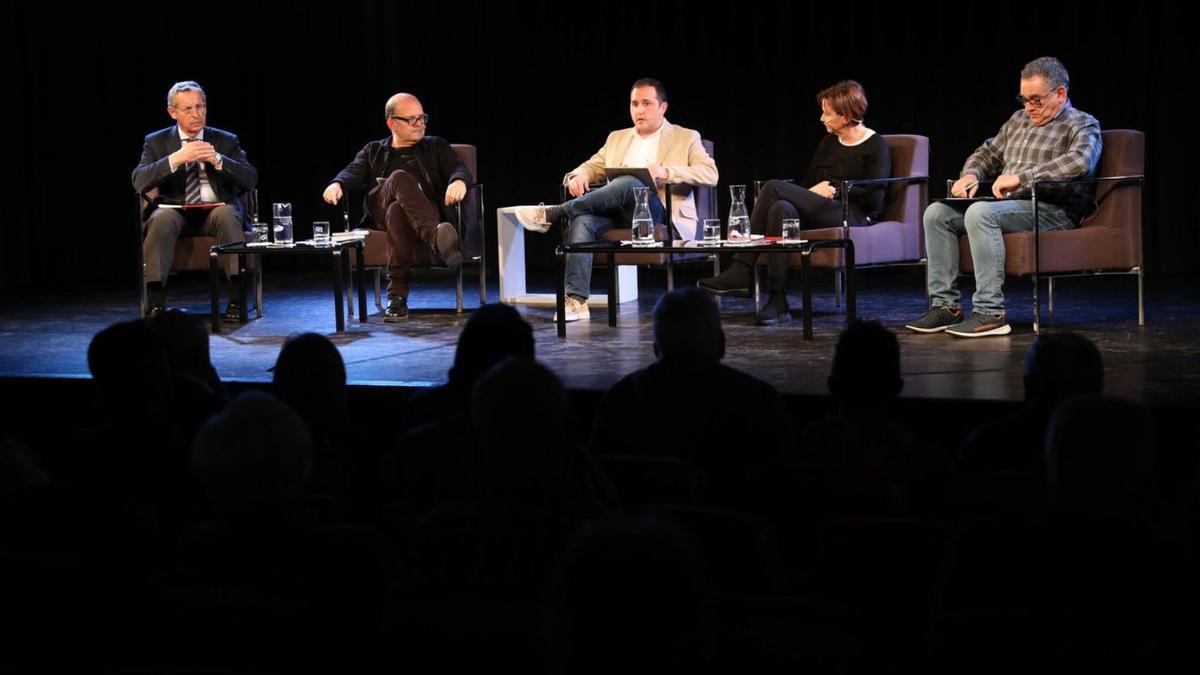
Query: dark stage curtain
[537, 86]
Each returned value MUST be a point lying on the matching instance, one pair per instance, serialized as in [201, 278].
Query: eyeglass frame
[1042, 99]
[411, 120]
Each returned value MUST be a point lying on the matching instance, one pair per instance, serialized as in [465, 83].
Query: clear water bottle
[282, 222]
[739, 219]
[643, 223]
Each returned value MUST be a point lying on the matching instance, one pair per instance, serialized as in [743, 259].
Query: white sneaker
[575, 310]
[533, 218]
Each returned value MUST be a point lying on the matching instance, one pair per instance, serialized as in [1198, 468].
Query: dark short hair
[846, 98]
[651, 82]
[687, 326]
[866, 366]
[1050, 69]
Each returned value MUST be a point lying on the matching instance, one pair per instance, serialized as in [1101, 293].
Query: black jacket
[435, 156]
[235, 178]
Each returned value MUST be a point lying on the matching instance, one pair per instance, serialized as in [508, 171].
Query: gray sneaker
[538, 218]
[980, 325]
[936, 320]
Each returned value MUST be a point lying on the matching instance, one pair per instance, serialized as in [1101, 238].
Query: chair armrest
[760, 182]
[1135, 178]
[884, 181]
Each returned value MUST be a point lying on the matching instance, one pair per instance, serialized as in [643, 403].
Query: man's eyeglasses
[1036, 101]
[199, 108]
[412, 121]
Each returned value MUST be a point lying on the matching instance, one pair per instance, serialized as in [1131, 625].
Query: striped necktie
[193, 178]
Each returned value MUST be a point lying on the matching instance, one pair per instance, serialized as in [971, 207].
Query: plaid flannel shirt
[1068, 146]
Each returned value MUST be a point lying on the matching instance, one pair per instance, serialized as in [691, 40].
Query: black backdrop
[537, 86]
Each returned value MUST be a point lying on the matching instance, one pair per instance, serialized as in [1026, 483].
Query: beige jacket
[680, 151]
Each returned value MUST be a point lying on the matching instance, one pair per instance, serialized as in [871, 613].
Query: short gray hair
[186, 85]
[1050, 69]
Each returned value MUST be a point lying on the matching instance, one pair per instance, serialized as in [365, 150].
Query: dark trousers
[398, 206]
[780, 200]
[164, 227]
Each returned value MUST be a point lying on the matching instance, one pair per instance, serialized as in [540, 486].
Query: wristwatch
[217, 160]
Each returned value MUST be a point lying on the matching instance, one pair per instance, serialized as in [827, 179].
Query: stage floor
[45, 334]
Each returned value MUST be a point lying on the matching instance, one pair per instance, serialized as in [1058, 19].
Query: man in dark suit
[413, 180]
[194, 165]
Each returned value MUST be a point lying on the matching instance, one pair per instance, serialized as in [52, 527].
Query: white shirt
[867, 133]
[207, 194]
[643, 150]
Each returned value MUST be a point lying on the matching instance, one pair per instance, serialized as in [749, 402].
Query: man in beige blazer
[673, 154]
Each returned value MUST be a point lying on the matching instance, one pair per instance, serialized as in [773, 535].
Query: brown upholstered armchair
[1107, 242]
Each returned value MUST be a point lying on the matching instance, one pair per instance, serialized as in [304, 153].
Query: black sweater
[835, 162]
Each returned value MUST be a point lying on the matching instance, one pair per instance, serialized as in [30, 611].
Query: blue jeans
[594, 213]
[985, 224]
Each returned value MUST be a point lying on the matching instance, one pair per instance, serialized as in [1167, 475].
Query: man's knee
[400, 179]
[980, 216]
[939, 216]
[226, 223]
[164, 222]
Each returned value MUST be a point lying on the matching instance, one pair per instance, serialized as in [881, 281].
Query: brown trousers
[398, 206]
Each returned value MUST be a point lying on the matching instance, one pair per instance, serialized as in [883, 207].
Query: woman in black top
[850, 151]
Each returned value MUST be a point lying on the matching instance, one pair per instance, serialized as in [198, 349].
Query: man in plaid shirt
[1048, 139]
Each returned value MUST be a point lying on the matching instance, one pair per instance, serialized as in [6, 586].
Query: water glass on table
[321, 233]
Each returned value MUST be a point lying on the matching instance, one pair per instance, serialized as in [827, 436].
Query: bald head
[399, 102]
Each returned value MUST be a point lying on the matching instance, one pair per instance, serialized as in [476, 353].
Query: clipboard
[967, 200]
[204, 205]
[642, 174]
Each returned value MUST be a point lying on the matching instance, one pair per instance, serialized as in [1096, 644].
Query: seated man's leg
[225, 225]
[614, 200]
[401, 239]
[418, 214]
[986, 224]
[584, 227]
[943, 226]
[162, 230]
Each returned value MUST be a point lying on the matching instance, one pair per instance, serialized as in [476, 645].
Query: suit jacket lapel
[664, 142]
[622, 148]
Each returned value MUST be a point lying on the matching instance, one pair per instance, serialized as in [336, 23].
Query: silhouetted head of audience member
[1100, 454]
[627, 594]
[1059, 365]
[522, 423]
[129, 368]
[687, 329]
[257, 450]
[310, 376]
[184, 339]
[494, 332]
[865, 376]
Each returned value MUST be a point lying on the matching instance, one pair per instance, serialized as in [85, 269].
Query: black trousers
[780, 200]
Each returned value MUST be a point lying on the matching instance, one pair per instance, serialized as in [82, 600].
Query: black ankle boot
[775, 311]
[739, 277]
